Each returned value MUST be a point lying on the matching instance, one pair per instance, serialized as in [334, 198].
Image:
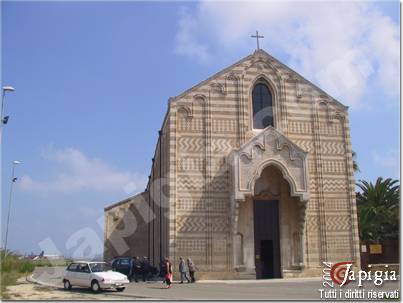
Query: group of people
[184, 268]
[142, 268]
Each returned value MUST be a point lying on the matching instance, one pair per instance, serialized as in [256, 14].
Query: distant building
[52, 257]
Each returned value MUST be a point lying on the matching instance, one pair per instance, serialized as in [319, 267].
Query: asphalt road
[276, 289]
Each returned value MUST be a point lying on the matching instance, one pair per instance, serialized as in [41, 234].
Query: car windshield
[98, 267]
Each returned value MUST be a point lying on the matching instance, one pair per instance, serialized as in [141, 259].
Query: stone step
[247, 275]
[292, 273]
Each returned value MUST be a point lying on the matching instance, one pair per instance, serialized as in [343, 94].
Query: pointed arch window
[262, 103]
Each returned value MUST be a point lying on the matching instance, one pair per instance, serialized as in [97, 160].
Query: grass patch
[8, 279]
[13, 267]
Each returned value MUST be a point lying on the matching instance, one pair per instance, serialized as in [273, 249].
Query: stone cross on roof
[257, 39]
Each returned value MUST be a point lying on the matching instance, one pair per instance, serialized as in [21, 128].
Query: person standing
[145, 268]
[182, 270]
[136, 268]
[163, 269]
[169, 274]
[192, 269]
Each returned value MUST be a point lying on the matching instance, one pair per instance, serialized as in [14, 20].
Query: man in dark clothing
[136, 268]
[145, 268]
[163, 270]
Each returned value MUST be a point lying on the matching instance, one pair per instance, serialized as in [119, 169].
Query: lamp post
[3, 120]
[6, 89]
[13, 179]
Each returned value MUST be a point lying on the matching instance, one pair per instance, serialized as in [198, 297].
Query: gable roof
[123, 202]
[256, 53]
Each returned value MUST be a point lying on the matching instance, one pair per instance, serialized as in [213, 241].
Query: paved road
[278, 289]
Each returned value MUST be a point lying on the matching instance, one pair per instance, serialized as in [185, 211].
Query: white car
[96, 275]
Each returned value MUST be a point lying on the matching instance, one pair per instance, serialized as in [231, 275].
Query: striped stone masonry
[193, 190]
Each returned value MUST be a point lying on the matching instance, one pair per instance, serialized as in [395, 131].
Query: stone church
[252, 177]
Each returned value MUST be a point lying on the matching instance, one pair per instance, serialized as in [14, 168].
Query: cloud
[388, 160]
[344, 47]
[78, 172]
[185, 42]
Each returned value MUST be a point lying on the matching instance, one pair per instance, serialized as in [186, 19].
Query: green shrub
[13, 267]
[26, 267]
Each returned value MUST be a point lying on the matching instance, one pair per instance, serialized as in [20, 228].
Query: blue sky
[92, 82]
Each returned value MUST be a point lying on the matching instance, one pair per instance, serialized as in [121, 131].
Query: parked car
[97, 275]
[123, 265]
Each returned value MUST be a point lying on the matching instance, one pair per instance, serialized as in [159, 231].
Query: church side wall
[139, 226]
[159, 190]
[126, 228]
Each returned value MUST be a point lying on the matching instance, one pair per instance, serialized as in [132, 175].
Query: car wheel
[120, 288]
[66, 284]
[95, 286]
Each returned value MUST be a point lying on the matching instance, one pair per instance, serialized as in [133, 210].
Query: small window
[72, 267]
[84, 268]
[99, 267]
[262, 104]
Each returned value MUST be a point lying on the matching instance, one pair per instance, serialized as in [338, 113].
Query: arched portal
[270, 222]
[269, 195]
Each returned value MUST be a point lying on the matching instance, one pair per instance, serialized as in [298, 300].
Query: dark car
[123, 265]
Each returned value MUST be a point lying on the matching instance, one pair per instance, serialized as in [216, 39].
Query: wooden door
[267, 239]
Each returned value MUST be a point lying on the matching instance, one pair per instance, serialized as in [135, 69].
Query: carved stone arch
[333, 113]
[296, 81]
[285, 173]
[269, 147]
[338, 115]
[185, 109]
[200, 98]
[324, 102]
[184, 116]
[218, 88]
[232, 77]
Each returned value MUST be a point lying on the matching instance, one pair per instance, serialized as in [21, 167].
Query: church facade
[252, 177]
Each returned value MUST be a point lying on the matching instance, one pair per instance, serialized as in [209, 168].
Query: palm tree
[378, 209]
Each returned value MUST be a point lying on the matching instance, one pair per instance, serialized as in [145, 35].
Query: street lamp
[6, 89]
[13, 179]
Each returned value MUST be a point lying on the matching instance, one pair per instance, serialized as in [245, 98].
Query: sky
[93, 80]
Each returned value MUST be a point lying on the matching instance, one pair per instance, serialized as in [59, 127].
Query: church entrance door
[267, 239]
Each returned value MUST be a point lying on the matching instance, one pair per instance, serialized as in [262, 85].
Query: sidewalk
[259, 281]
